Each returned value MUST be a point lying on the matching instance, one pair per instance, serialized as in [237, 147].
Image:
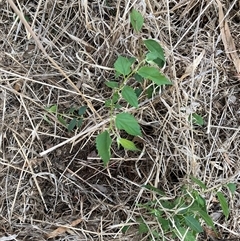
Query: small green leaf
[112, 84]
[128, 145]
[152, 188]
[143, 228]
[152, 57]
[103, 143]
[79, 123]
[127, 122]
[138, 91]
[149, 91]
[232, 187]
[153, 74]
[196, 119]
[82, 110]
[206, 218]
[223, 203]
[155, 49]
[61, 120]
[108, 103]
[72, 124]
[136, 20]
[125, 229]
[115, 97]
[122, 65]
[71, 110]
[193, 224]
[52, 109]
[130, 96]
[138, 78]
[199, 183]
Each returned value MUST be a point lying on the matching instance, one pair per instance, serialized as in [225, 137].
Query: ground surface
[69, 185]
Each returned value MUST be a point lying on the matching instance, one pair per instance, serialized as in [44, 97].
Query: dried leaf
[61, 230]
[192, 67]
[227, 39]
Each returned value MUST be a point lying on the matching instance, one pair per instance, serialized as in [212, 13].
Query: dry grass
[68, 190]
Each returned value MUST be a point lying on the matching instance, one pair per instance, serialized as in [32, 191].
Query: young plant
[126, 69]
[181, 217]
[74, 114]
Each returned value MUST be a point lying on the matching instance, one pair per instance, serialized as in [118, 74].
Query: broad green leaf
[130, 96]
[52, 109]
[132, 60]
[72, 124]
[223, 203]
[82, 110]
[196, 119]
[155, 48]
[136, 20]
[103, 143]
[111, 84]
[206, 218]
[125, 229]
[61, 120]
[153, 74]
[193, 224]
[122, 65]
[199, 183]
[232, 187]
[127, 122]
[126, 144]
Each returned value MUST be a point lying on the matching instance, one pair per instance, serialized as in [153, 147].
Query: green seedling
[72, 119]
[146, 68]
[180, 218]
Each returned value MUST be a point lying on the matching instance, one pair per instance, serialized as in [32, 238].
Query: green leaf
[223, 203]
[152, 188]
[155, 49]
[79, 123]
[138, 91]
[72, 124]
[199, 183]
[82, 110]
[136, 20]
[196, 119]
[186, 233]
[103, 143]
[130, 96]
[152, 57]
[108, 103]
[115, 97]
[122, 65]
[193, 224]
[61, 120]
[153, 74]
[128, 145]
[52, 109]
[71, 110]
[138, 78]
[206, 218]
[112, 84]
[143, 228]
[232, 187]
[127, 122]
